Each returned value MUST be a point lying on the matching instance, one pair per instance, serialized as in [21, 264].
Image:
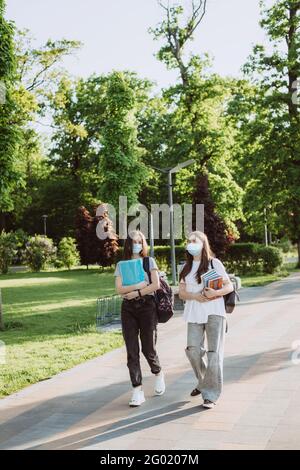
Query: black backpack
[164, 297]
[229, 299]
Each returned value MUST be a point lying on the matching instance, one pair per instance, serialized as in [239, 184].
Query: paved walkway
[86, 407]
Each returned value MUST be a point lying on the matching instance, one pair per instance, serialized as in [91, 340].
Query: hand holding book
[212, 285]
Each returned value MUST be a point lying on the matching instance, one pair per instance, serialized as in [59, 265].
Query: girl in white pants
[205, 316]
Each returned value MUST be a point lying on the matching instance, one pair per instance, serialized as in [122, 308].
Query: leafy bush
[240, 258]
[68, 254]
[7, 250]
[243, 258]
[20, 237]
[285, 245]
[272, 258]
[39, 251]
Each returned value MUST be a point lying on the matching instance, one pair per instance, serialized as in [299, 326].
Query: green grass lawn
[261, 279]
[50, 320]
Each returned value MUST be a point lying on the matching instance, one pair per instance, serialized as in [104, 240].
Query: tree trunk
[298, 245]
[1, 314]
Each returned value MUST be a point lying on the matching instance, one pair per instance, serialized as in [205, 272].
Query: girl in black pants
[139, 319]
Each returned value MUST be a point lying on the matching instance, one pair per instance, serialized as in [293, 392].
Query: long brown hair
[128, 244]
[206, 256]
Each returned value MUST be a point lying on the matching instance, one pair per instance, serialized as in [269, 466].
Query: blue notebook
[131, 271]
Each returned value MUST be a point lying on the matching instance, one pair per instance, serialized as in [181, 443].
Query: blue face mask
[194, 249]
[137, 248]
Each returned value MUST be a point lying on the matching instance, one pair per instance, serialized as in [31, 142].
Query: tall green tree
[191, 124]
[39, 73]
[268, 122]
[78, 119]
[10, 176]
[30, 74]
[94, 145]
[121, 165]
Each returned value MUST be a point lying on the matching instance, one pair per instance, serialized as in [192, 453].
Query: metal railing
[108, 310]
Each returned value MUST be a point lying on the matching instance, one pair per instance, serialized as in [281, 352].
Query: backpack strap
[226, 329]
[146, 266]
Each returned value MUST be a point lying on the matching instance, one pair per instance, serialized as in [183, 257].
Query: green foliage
[78, 117]
[111, 130]
[20, 239]
[272, 259]
[243, 258]
[67, 254]
[240, 258]
[267, 141]
[9, 130]
[285, 245]
[7, 250]
[190, 123]
[29, 75]
[121, 155]
[7, 52]
[39, 252]
[57, 197]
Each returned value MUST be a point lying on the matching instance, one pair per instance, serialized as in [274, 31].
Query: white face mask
[137, 248]
[195, 249]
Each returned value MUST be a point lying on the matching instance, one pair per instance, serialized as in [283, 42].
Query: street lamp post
[172, 239]
[151, 237]
[169, 172]
[44, 217]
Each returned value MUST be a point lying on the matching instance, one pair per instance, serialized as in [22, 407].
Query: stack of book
[212, 279]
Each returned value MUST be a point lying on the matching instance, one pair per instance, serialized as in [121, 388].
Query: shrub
[240, 258]
[92, 249]
[67, 254]
[243, 258]
[20, 237]
[39, 251]
[272, 258]
[285, 245]
[7, 250]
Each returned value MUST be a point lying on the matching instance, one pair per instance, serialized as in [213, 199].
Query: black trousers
[139, 319]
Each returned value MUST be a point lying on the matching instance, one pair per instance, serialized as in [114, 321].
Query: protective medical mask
[194, 249]
[136, 248]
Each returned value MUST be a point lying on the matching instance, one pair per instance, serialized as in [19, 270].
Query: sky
[115, 33]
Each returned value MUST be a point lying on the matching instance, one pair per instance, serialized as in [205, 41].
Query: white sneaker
[137, 398]
[208, 404]
[160, 386]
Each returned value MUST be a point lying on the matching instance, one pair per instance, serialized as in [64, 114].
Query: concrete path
[86, 407]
